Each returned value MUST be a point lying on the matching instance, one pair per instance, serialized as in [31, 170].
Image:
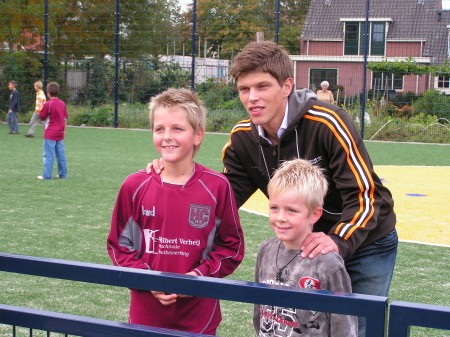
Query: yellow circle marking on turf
[421, 195]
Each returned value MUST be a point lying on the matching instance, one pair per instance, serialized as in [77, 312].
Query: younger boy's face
[173, 136]
[290, 219]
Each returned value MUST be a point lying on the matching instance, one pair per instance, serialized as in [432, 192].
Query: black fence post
[277, 21]
[45, 61]
[366, 52]
[116, 65]
[194, 32]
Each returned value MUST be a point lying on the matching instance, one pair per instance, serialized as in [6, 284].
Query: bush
[223, 120]
[218, 95]
[101, 116]
[25, 69]
[134, 116]
[99, 88]
[433, 103]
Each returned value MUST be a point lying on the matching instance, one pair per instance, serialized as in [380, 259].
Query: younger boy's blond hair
[304, 179]
[184, 99]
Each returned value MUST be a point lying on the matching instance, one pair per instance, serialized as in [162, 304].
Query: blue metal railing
[373, 308]
[403, 315]
[79, 325]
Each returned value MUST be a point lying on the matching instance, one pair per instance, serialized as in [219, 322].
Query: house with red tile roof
[332, 44]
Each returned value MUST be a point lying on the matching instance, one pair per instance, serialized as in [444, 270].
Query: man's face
[11, 86]
[263, 98]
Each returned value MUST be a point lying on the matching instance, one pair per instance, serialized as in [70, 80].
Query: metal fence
[373, 308]
[402, 315]
[125, 51]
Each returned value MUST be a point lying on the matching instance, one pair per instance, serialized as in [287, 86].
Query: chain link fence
[386, 61]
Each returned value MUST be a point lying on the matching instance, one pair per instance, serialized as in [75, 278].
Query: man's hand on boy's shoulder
[156, 164]
[318, 243]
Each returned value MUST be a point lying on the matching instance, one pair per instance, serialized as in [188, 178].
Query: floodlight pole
[366, 51]
[193, 38]
[45, 61]
[277, 21]
[116, 65]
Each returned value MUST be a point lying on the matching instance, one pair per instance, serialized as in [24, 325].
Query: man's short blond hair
[306, 180]
[184, 99]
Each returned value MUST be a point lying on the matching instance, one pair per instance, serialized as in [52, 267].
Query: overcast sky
[445, 3]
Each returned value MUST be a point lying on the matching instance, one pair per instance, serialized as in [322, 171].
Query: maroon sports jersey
[176, 228]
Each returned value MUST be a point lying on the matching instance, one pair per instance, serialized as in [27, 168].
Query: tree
[20, 23]
[292, 17]
[225, 27]
[148, 28]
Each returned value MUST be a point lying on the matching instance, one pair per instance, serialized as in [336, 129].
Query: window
[316, 76]
[377, 39]
[387, 81]
[443, 82]
[354, 38]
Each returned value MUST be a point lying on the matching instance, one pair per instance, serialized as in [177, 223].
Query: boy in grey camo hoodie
[296, 194]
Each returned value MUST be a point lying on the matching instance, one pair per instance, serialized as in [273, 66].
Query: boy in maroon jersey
[54, 117]
[184, 220]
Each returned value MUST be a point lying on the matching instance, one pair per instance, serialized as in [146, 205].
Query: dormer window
[354, 36]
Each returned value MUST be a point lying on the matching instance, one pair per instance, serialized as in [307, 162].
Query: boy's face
[263, 98]
[290, 219]
[173, 136]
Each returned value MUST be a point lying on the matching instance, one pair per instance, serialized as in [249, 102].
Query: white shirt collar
[283, 127]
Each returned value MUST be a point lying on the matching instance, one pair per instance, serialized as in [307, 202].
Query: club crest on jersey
[309, 283]
[199, 215]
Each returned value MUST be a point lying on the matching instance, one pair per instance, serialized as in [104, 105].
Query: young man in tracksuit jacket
[358, 220]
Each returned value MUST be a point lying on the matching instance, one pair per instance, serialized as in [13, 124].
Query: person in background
[13, 108]
[296, 193]
[182, 221]
[54, 113]
[40, 101]
[324, 94]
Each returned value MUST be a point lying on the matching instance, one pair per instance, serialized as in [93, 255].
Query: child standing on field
[40, 101]
[184, 220]
[296, 193]
[54, 113]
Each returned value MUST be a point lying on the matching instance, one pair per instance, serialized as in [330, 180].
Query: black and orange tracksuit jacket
[358, 209]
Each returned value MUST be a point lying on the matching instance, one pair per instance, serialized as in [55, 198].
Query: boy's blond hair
[184, 99]
[303, 178]
[265, 56]
[39, 84]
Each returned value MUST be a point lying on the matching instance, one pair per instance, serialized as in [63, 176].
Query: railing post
[403, 315]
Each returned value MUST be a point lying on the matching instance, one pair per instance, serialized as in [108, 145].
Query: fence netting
[387, 59]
